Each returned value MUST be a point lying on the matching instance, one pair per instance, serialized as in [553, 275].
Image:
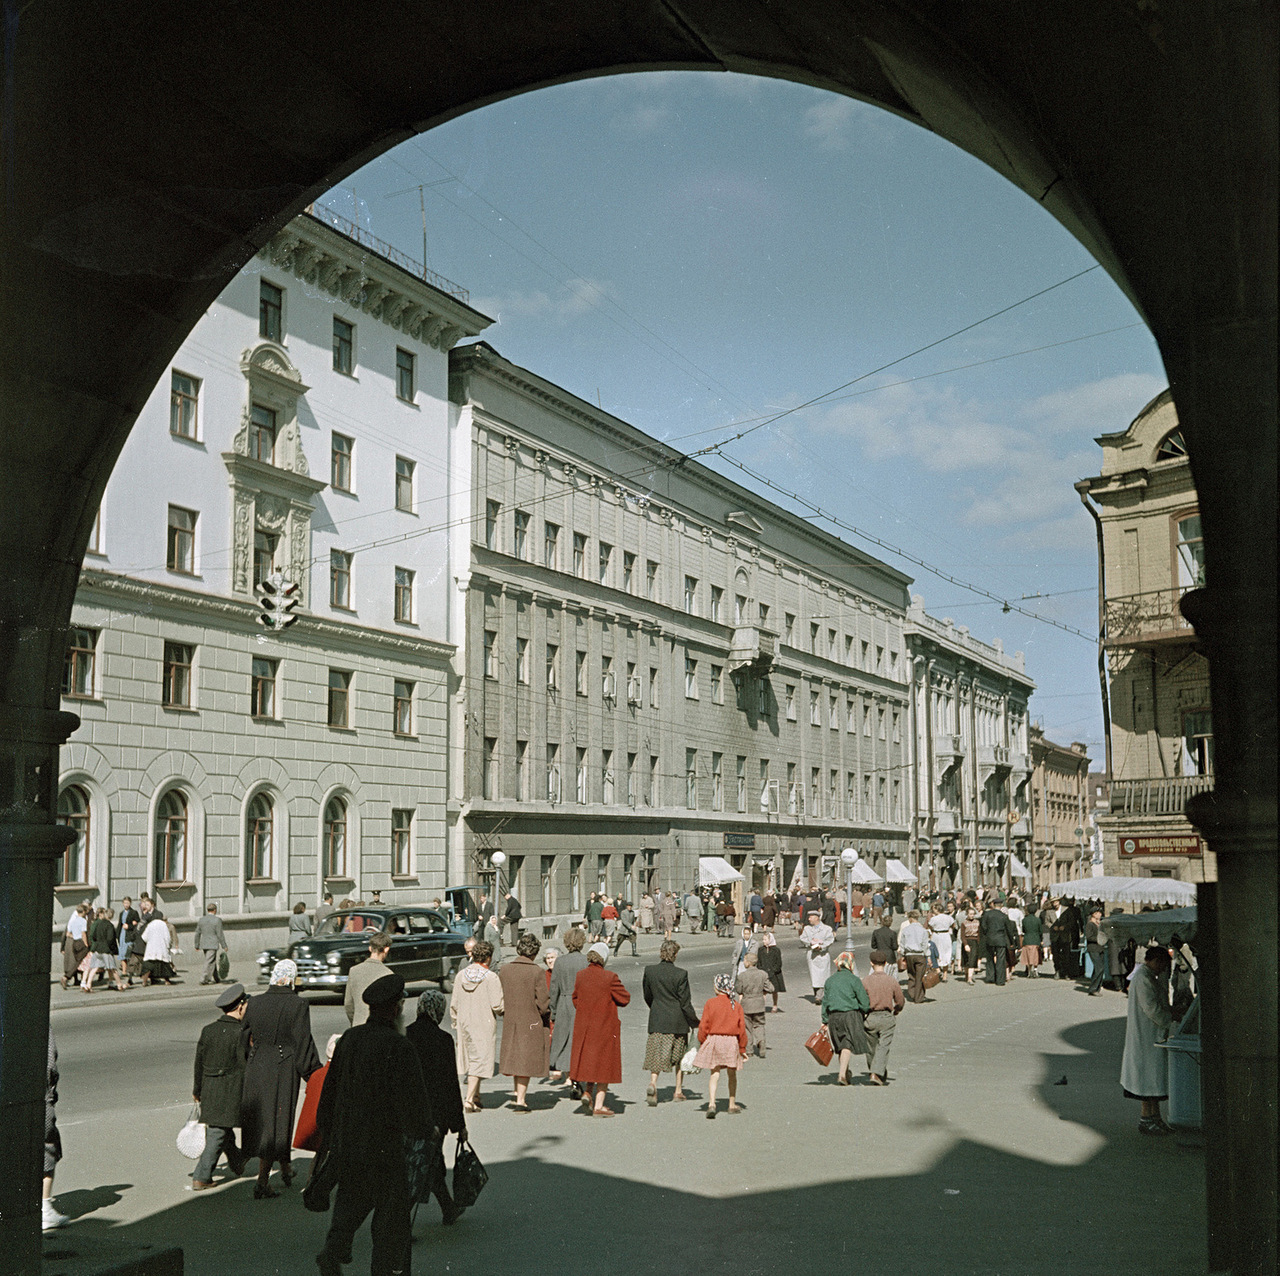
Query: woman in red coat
[723, 1034]
[596, 1060]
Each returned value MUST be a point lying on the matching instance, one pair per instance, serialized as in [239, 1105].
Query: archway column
[30, 844]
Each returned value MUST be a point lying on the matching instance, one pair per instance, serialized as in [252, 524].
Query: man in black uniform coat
[373, 1098]
[996, 933]
[884, 938]
[219, 1077]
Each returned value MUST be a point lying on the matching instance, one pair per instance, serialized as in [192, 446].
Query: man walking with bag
[210, 940]
[219, 1079]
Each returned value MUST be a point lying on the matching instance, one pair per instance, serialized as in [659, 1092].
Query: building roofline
[1165, 396]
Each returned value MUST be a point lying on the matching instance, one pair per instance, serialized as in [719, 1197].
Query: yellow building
[1161, 722]
[1061, 816]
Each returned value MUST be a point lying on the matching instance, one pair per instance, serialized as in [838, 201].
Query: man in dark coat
[997, 934]
[884, 939]
[219, 1077]
[373, 1099]
[1064, 937]
[828, 909]
[511, 915]
[437, 1057]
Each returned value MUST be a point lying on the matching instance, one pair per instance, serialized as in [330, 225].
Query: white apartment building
[304, 428]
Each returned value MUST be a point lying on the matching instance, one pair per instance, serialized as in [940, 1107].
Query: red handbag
[819, 1045]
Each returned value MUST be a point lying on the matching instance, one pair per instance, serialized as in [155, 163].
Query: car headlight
[334, 959]
[264, 959]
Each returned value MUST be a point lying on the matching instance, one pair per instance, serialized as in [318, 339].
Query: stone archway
[146, 157]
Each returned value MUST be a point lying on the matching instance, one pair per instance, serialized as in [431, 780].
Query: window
[690, 679]
[548, 896]
[850, 796]
[653, 688]
[581, 777]
[1197, 739]
[739, 609]
[340, 579]
[1190, 553]
[879, 660]
[717, 603]
[608, 680]
[717, 781]
[404, 484]
[171, 838]
[881, 813]
[575, 882]
[606, 554]
[262, 689]
[270, 312]
[833, 796]
[522, 770]
[492, 509]
[176, 690]
[742, 783]
[522, 660]
[848, 649]
[262, 434]
[691, 595]
[551, 546]
[897, 727]
[833, 713]
[405, 378]
[1172, 447]
[813, 639]
[864, 655]
[795, 794]
[335, 838]
[629, 572]
[579, 555]
[789, 628]
[182, 540]
[880, 722]
[606, 777]
[815, 710]
[401, 842]
[815, 793]
[867, 812]
[767, 803]
[691, 779]
[264, 556]
[404, 595]
[339, 697]
[631, 779]
[866, 719]
[340, 450]
[893, 664]
[79, 669]
[73, 813]
[831, 644]
[654, 797]
[490, 653]
[260, 837]
[580, 672]
[553, 773]
[651, 580]
[553, 667]
[402, 707]
[521, 543]
[897, 801]
[344, 337]
[184, 398]
[489, 769]
[762, 698]
[717, 684]
[763, 609]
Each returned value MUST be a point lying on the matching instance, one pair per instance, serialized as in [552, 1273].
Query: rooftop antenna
[421, 188]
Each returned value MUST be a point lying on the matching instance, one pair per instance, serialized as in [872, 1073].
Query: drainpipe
[915, 767]
[1083, 488]
[928, 749]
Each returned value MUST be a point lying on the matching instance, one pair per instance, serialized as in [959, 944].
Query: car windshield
[348, 923]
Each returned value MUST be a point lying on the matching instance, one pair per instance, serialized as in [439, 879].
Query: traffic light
[277, 597]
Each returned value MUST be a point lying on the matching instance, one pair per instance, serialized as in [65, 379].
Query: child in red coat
[722, 1033]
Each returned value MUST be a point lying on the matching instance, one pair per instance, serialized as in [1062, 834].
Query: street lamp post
[497, 859]
[848, 857]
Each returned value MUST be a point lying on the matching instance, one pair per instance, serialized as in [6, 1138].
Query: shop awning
[897, 871]
[715, 870]
[1018, 868]
[1157, 890]
[863, 873]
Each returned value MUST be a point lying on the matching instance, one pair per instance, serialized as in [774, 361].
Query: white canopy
[896, 871]
[715, 870]
[863, 873]
[1017, 867]
[1089, 887]
[1157, 890]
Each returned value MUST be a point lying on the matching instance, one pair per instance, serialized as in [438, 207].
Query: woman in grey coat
[563, 974]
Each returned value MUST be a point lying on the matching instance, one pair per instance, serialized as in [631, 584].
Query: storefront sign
[739, 841]
[1163, 844]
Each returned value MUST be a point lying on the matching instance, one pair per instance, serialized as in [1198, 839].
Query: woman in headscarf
[722, 1034]
[844, 1003]
[305, 1136]
[770, 959]
[437, 1055]
[817, 937]
[596, 1061]
[282, 1052]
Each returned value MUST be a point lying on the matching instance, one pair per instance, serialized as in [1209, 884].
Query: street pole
[497, 859]
[848, 857]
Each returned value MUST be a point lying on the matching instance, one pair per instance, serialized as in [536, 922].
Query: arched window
[335, 838]
[1172, 446]
[260, 837]
[171, 838]
[73, 811]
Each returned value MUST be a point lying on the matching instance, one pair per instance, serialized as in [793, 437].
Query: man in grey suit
[210, 940]
[363, 974]
[752, 985]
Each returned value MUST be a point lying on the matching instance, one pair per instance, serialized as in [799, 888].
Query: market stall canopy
[715, 870]
[863, 873]
[897, 871]
[1157, 890]
[1090, 887]
[1160, 927]
[1017, 867]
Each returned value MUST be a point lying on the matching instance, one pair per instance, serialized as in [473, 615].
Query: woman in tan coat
[473, 1013]
[526, 1040]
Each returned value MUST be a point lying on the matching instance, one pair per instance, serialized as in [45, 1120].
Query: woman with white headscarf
[282, 1052]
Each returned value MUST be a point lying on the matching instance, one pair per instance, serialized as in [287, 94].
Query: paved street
[973, 1160]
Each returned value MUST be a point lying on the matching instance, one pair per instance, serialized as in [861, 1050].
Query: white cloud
[833, 122]
[644, 117]
[572, 301]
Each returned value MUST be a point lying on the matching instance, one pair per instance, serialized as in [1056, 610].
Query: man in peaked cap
[374, 1098]
[219, 1076]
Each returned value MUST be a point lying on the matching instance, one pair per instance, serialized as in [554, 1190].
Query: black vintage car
[423, 948]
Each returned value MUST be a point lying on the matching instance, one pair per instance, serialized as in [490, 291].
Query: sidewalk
[244, 971]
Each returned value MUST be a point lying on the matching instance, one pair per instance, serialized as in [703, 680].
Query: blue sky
[697, 251]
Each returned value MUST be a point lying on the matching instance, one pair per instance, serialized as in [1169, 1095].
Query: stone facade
[1158, 674]
[969, 721]
[303, 426]
[1060, 805]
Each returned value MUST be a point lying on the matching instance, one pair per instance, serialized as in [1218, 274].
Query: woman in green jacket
[844, 1003]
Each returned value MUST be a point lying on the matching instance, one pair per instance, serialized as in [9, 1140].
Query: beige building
[660, 666]
[1161, 719]
[1061, 809]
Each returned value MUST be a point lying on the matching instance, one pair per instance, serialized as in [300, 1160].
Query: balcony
[1148, 619]
[946, 823]
[752, 648]
[948, 752]
[992, 758]
[1161, 795]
